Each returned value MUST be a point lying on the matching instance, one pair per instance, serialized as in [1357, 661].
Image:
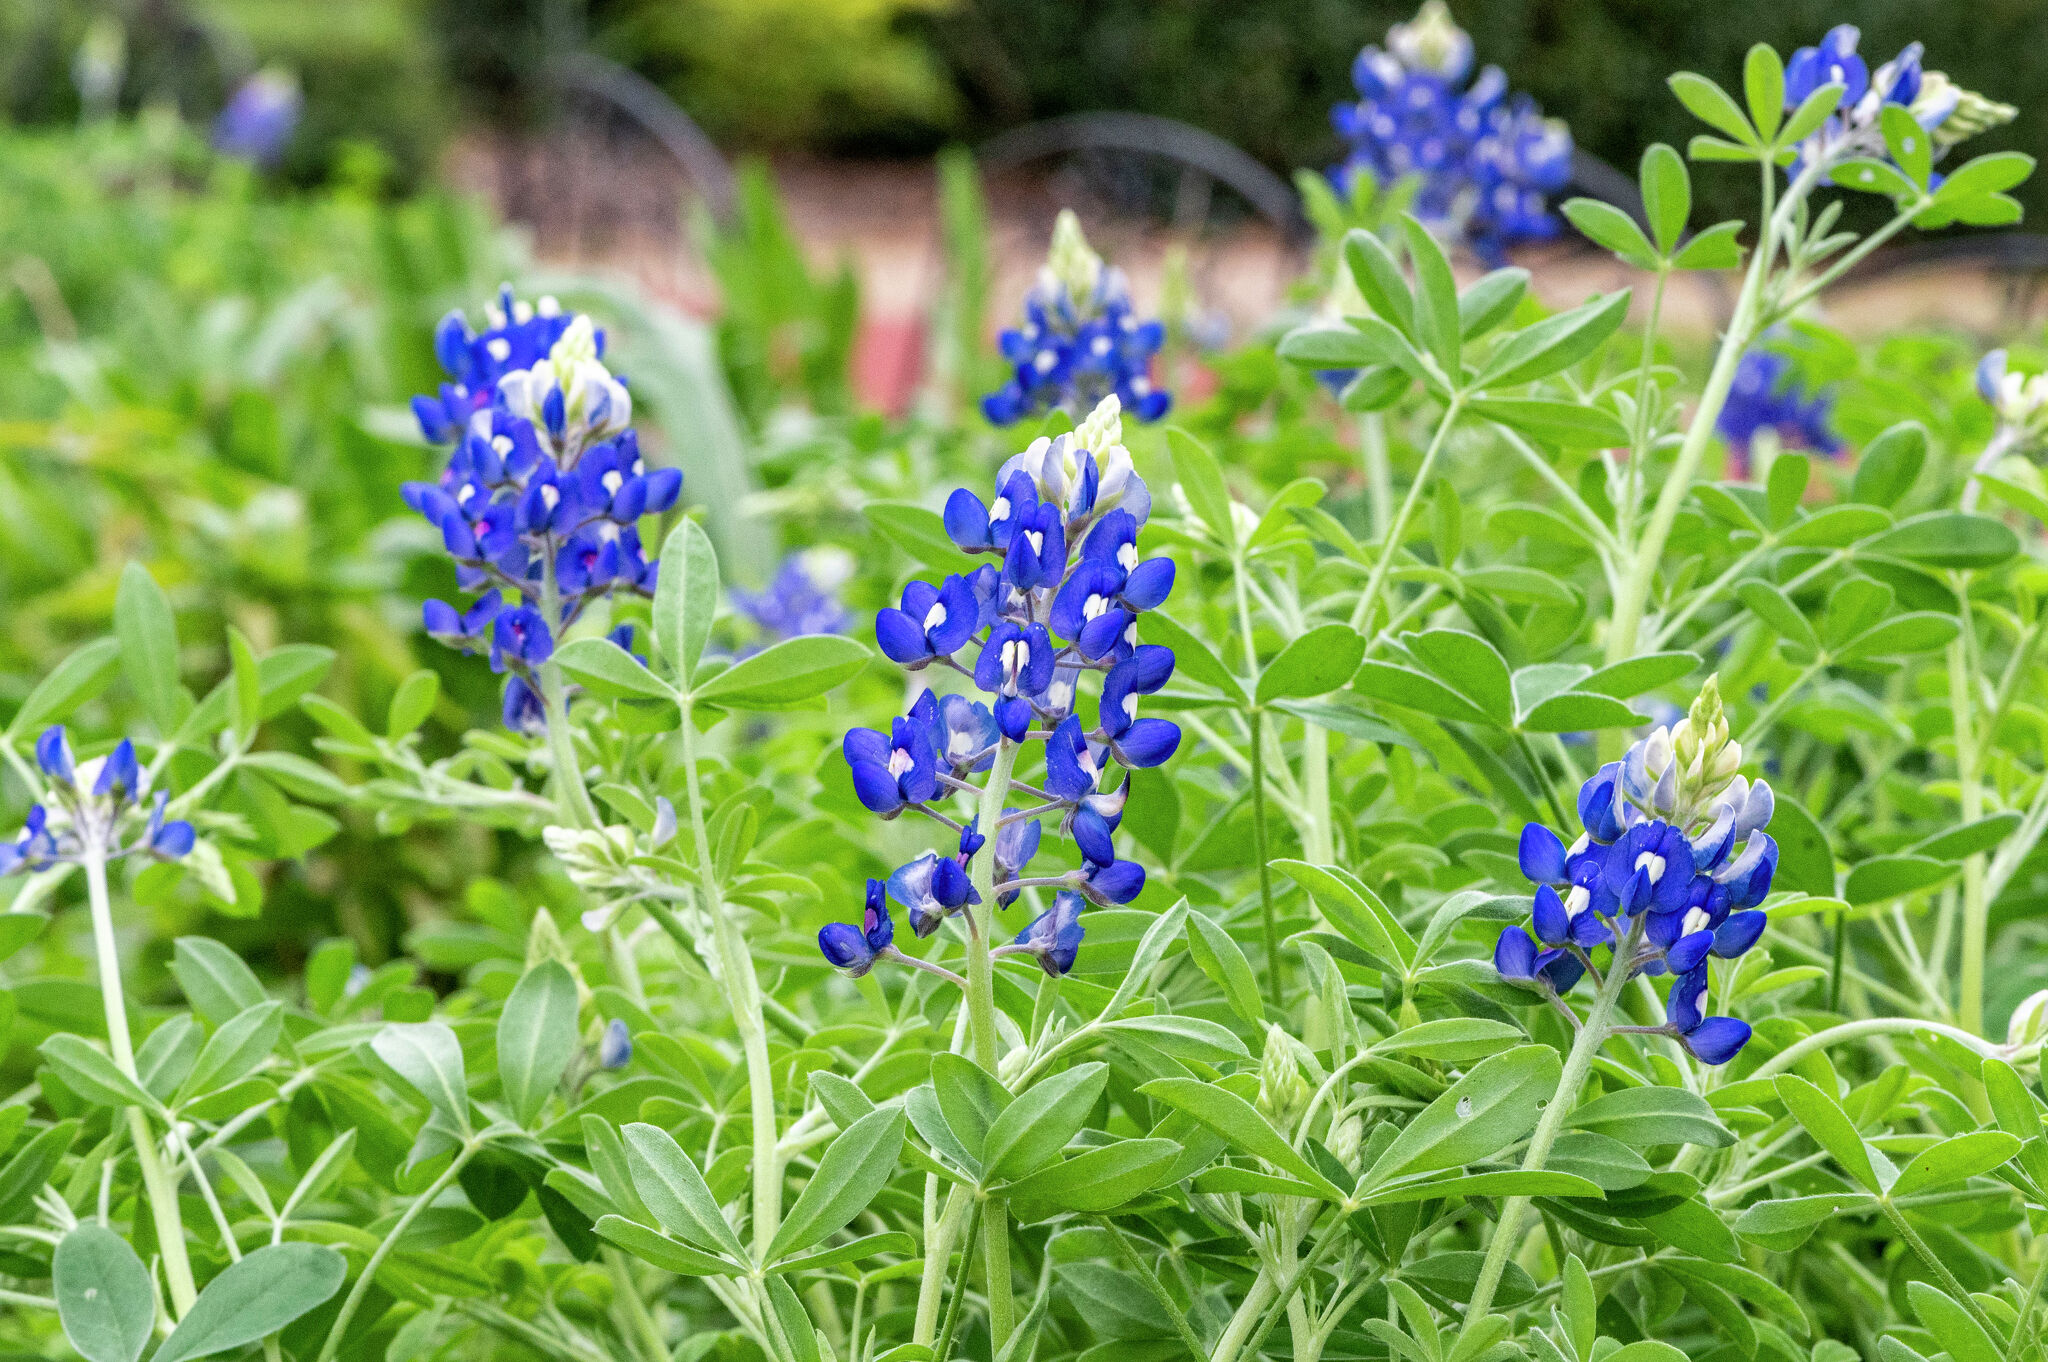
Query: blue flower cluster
[543, 492]
[1485, 162]
[1080, 341]
[1064, 599]
[803, 598]
[92, 799]
[1767, 395]
[1668, 873]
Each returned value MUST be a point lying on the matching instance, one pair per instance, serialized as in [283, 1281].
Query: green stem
[943, 1349]
[1379, 479]
[645, 1334]
[743, 997]
[1976, 906]
[2020, 1336]
[1870, 1026]
[1840, 958]
[1959, 1293]
[571, 796]
[1577, 1065]
[981, 916]
[1780, 702]
[383, 1251]
[1275, 985]
[156, 1181]
[1319, 842]
[1361, 614]
[1174, 1310]
[937, 1249]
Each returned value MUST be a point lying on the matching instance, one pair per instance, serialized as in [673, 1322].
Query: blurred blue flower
[1081, 341]
[803, 597]
[1484, 162]
[258, 122]
[615, 1047]
[1767, 395]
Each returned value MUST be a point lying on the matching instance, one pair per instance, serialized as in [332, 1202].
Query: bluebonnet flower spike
[1485, 162]
[1080, 342]
[1668, 872]
[1026, 631]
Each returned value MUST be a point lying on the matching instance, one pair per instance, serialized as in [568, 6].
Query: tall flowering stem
[99, 811]
[1063, 600]
[1666, 876]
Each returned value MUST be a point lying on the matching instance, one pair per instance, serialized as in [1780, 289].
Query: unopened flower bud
[2029, 1024]
[1074, 265]
[1282, 1090]
[544, 940]
[1346, 1140]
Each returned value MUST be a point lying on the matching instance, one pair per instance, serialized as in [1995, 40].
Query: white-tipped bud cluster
[570, 397]
[595, 861]
[1072, 265]
[1432, 41]
[1347, 1137]
[1969, 113]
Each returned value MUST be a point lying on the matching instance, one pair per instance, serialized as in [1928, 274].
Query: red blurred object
[888, 361]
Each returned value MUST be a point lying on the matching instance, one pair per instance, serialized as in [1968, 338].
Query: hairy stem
[1361, 614]
[156, 1180]
[571, 796]
[1577, 1065]
[339, 1328]
[1275, 985]
[981, 997]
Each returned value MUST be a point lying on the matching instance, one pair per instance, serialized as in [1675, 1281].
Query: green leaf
[1813, 111]
[1576, 712]
[1375, 388]
[1948, 539]
[1183, 1037]
[267, 1290]
[245, 695]
[427, 1056]
[1411, 689]
[1192, 657]
[1605, 225]
[1958, 1330]
[30, 1169]
[1033, 1130]
[1201, 478]
[1971, 838]
[1638, 674]
[670, 1255]
[855, 1167]
[1776, 610]
[411, 703]
[1353, 910]
[786, 674]
[1716, 248]
[1569, 425]
[675, 1192]
[1784, 486]
[216, 982]
[1920, 631]
[1646, 1350]
[1470, 665]
[1316, 663]
[1911, 146]
[104, 1298]
[1096, 1181]
[1496, 1103]
[1217, 956]
[1451, 1040]
[237, 1047]
[867, 1246]
[1649, 1116]
[1891, 877]
[89, 1072]
[1239, 1122]
[1835, 527]
[1806, 861]
[1556, 343]
[1667, 195]
[82, 674]
[1873, 176]
[609, 672]
[1763, 86]
[149, 647]
[1380, 279]
[1784, 1225]
[1491, 300]
[1889, 465]
[1830, 1128]
[1711, 104]
[536, 1037]
[970, 1097]
[1321, 346]
[1437, 324]
[1955, 1159]
[1992, 174]
[686, 597]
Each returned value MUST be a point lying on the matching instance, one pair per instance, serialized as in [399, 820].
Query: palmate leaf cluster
[600, 1096]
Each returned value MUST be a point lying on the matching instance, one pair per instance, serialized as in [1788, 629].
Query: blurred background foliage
[905, 76]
